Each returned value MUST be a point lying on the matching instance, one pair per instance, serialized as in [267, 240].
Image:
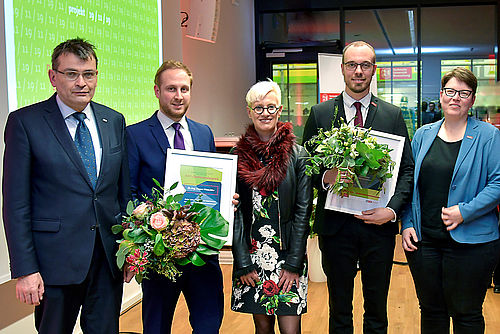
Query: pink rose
[140, 211]
[158, 221]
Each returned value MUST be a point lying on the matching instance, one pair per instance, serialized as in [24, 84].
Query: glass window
[467, 41]
[299, 27]
[392, 33]
[299, 92]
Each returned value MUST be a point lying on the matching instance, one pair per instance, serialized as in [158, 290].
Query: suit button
[453, 187]
[92, 228]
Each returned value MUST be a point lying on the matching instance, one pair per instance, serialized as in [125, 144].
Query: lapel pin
[374, 104]
[105, 120]
[469, 137]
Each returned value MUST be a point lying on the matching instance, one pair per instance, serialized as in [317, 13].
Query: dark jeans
[357, 241]
[451, 280]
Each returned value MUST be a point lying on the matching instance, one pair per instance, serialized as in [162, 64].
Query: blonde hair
[259, 91]
[358, 44]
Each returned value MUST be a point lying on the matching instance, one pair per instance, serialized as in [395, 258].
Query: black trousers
[99, 297]
[374, 249]
[202, 289]
[451, 280]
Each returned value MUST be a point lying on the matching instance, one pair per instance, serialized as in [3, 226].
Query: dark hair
[173, 65]
[357, 44]
[462, 74]
[77, 46]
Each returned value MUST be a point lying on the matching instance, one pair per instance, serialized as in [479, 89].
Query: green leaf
[157, 183]
[196, 259]
[123, 250]
[203, 249]
[159, 247]
[213, 226]
[178, 197]
[182, 261]
[138, 278]
[116, 228]
[130, 208]
[173, 186]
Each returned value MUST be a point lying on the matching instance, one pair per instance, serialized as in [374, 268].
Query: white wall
[223, 72]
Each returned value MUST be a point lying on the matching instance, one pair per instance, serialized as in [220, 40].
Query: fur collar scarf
[253, 152]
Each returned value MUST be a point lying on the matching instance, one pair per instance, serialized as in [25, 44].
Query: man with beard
[369, 238]
[147, 146]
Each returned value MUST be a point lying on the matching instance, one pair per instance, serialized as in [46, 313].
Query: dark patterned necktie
[178, 138]
[84, 145]
[358, 121]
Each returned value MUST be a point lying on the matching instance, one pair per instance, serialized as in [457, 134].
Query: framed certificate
[209, 178]
[369, 197]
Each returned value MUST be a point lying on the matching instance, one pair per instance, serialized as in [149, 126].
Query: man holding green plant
[368, 239]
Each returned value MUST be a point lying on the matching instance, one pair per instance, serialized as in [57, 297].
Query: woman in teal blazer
[450, 231]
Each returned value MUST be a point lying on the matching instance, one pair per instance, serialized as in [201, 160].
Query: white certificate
[369, 197]
[209, 178]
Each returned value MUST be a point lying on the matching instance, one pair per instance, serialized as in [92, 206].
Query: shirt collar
[349, 101]
[166, 122]
[67, 111]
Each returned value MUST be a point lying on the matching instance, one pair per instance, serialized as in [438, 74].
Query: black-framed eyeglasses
[73, 75]
[270, 109]
[352, 66]
[464, 93]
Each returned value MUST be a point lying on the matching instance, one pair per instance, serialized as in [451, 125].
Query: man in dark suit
[65, 183]
[367, 239]
[147, 146]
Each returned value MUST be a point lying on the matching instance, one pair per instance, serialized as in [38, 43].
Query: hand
[451, 217]
[127, 273]
[250, 279]
[286, 280]
[30, 289]
[377, 216]
[409, 234]
[235, 201]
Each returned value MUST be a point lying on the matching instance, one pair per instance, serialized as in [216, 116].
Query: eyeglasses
[352, 66]
[270, 109]
[73, 75]
[464, 93]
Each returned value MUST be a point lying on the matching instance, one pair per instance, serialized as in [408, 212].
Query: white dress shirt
[350, 109]
[166, 124]
[90, 122]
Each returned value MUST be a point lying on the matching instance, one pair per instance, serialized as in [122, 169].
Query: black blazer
[50, 210]
[382, 116]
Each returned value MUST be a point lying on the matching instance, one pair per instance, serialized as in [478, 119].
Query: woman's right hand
[250, 279]
[409, 234]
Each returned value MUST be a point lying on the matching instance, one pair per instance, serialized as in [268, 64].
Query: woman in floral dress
[272, 223]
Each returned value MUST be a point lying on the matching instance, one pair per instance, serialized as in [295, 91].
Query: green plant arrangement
[159, 233]
[354, 152]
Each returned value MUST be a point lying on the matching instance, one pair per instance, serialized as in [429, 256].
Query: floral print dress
[266, 297]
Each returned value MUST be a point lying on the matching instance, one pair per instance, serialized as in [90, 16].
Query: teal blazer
[475, 184]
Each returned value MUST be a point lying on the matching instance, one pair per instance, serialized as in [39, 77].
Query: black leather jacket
[295, 199]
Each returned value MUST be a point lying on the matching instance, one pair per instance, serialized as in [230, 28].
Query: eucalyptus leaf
[130, 208]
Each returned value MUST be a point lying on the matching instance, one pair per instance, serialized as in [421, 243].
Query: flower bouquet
[160, 233]
[356, 155]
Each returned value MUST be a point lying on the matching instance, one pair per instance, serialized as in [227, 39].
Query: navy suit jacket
[382, 116]
[50, 209]
[147, 148]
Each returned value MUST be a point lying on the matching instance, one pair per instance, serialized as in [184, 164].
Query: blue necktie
[178, 137]
[84, 145]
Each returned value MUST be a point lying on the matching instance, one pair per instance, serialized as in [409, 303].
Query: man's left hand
[377, 216]
[451, 217]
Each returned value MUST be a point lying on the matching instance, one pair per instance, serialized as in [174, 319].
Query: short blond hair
[172, 65]
[259, 91]
[358, 44]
